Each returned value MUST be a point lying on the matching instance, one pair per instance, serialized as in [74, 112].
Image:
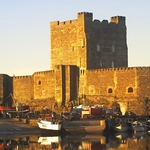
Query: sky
[25, 30]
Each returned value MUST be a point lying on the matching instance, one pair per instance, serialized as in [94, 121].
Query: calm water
[138, 141]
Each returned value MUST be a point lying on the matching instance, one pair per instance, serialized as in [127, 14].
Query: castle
[89, 62]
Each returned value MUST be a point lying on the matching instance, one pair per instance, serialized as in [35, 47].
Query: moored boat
[121, 128]
[139, 127]
[49, 125]
[43, 140]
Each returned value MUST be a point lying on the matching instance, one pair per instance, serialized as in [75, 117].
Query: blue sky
[25, 30]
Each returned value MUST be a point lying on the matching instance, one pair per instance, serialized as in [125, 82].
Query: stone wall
[22, 89]
[128, 86]
[43, 85]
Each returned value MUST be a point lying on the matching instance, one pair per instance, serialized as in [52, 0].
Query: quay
[24, 126]
[15, 127]
[82, 126]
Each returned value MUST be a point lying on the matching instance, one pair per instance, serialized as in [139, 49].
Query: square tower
[89, 44]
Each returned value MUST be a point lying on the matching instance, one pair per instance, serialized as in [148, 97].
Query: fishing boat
[51, 142]
[43, 140]
[49, 123]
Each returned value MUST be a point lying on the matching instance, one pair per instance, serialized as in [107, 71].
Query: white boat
[49, 125]
[49, 140]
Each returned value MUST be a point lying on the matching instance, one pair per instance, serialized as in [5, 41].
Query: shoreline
[24, 126]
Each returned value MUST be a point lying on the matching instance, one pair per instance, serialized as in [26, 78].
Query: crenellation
[44, 72]
[21, 77]
[54, 23]
[86, 13]
[96, 21]
[120, 69]
[69, 22]
[104, 22]
[118, 20]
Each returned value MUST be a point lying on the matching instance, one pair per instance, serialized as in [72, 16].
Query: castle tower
[89, 44]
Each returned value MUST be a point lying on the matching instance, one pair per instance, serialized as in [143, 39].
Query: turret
[118, 20]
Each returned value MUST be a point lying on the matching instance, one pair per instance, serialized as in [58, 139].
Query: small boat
[89, 129]
[51, 142]
[139, 127]
[139, 135]
[43, 140]
[148, 123]
[49, 124]
[121, 128]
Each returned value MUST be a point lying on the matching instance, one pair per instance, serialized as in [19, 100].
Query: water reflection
[134, 141]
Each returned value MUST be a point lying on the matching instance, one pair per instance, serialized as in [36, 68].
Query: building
[89, 61]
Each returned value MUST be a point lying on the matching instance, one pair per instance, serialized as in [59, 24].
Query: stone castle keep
[89, 63]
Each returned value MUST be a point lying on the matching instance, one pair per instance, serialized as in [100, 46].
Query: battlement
[81, 16]
[120, 69]
[88, 17]
[85, 14]
[68, 22]
[44, 72]
[21, 77]
[118, 20]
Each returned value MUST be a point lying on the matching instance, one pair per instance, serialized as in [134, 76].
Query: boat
[121, 124]
[47, 124]
[148, 123]
[84, 126]
[121, 128]
[50, 142]
[139, 127]
[94, 129]
[44, 140]
[139, 135]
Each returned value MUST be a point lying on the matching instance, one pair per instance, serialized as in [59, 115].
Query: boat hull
[85, 129]
[121, 128]
[49, 140]
[139, 128]
[48, 125]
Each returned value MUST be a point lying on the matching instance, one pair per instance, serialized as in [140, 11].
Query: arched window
[112, 64]
[130, 90]
[98, 47]
[100, 64]
[110, 90]
[39, 83]
[113, 48]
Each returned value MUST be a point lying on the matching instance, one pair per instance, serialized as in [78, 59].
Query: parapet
[118, 20]
[85, 16]
[58, 23]
[120, 69]
[88, 17]
[43, 72]
[22, 77]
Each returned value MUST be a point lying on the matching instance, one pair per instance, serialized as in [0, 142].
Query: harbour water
[118, 141]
